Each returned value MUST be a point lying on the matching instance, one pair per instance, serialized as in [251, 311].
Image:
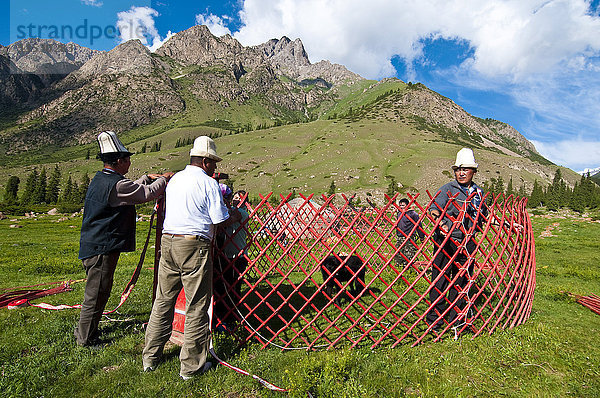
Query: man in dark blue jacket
[108, 228]
[462, 210]
[408, 224]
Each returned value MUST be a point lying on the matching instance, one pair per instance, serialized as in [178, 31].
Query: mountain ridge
[197, 80]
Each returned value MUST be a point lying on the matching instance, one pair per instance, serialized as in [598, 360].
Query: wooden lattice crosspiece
[321, 273]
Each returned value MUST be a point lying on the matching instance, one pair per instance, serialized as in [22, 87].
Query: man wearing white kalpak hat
[108, 228]
[194, 207]
[469, 197]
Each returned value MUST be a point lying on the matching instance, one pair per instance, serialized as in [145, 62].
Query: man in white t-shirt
[194, 207]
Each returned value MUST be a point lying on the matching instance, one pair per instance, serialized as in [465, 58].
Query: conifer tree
[565, 194]
[39, 195]
[74, 198]
[499, 188]
[331, 189]
[537, 195]
[11, 190]
[489, 186]
[392, 187]
[82, 189]
[595, 197]
[577, 202]
[588, 187]
[554, 194]
[509, 189]
[67, 191]
[53, 186]
[30, 187]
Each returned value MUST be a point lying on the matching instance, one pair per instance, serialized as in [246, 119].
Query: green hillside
[358, 156]
[361, 143]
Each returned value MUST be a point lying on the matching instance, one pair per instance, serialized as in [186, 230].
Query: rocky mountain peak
[284, 53]
[290, 58]
[130, 57]
[197, 46]
[47, 56]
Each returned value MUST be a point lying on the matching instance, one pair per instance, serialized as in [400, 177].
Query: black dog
[353, 269]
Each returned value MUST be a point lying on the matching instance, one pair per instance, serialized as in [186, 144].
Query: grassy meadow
[555, 354]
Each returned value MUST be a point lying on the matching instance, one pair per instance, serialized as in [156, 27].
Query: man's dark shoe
[96, 343]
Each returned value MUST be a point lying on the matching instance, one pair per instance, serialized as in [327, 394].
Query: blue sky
[534, 64]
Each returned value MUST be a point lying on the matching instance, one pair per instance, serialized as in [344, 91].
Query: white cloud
[514, 38]
[576, 154]
[545, 54]
[157, 41]
[94, 3]
[215, 24]
[138, 23]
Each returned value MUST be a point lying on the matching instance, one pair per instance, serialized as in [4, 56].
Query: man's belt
[188, 237]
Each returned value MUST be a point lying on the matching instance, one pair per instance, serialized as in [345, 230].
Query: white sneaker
[148, 369]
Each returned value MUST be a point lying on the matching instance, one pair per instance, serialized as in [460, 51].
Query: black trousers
[442, 265]
[227, 289]
[100, 271]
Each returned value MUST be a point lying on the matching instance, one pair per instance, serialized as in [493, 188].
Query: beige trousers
[184, 263]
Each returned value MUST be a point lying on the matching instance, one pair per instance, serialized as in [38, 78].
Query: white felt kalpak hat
[465, 158]
[204, 146]
[110, 143]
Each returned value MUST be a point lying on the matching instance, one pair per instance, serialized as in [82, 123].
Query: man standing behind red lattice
[463, 215]
[405, 231]
[232, 261]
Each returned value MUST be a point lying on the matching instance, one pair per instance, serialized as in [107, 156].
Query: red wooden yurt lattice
[380, 287]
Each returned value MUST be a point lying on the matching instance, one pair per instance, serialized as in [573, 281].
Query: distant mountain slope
[117, 90]
[16, 88]
[31, 65]
[308, 124]
[48, 57]
[596, 178]
[290, 59]
[194, 73]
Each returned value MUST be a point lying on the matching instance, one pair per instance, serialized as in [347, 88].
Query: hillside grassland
[362, 139]
[555, 353]
[358, 156]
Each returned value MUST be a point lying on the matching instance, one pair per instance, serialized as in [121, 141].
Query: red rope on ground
[592, 302]
[22, 298]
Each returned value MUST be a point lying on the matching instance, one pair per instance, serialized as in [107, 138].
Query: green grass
[555, 353]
